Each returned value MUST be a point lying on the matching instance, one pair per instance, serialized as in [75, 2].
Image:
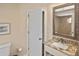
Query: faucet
[62, 41]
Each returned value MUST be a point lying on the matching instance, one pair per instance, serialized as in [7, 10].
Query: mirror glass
[64, 21]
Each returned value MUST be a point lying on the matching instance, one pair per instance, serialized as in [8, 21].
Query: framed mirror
[64, 20]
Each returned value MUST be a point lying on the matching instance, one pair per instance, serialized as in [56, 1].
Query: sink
[59, 45]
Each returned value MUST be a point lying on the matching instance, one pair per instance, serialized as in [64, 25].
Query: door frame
[43, 32]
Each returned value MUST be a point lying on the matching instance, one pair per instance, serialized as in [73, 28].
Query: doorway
[36, 32]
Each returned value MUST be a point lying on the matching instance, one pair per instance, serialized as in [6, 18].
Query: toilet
[5, 49]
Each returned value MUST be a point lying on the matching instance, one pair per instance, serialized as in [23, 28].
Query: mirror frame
[61, 6]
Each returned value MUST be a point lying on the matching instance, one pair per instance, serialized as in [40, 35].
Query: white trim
[27, 53]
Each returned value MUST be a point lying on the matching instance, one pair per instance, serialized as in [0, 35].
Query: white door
[35, 32]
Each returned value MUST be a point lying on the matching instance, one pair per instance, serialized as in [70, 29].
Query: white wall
[16, 15]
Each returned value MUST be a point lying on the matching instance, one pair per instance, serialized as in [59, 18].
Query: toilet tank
[5, 49]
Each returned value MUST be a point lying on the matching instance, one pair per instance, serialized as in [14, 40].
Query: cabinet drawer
[54, 51]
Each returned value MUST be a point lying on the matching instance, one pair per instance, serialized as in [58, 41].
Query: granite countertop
[66, 51]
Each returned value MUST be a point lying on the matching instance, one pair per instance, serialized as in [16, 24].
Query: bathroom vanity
[65, 38]
[60, 46]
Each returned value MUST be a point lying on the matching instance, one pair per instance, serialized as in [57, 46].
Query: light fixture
[69, 20]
